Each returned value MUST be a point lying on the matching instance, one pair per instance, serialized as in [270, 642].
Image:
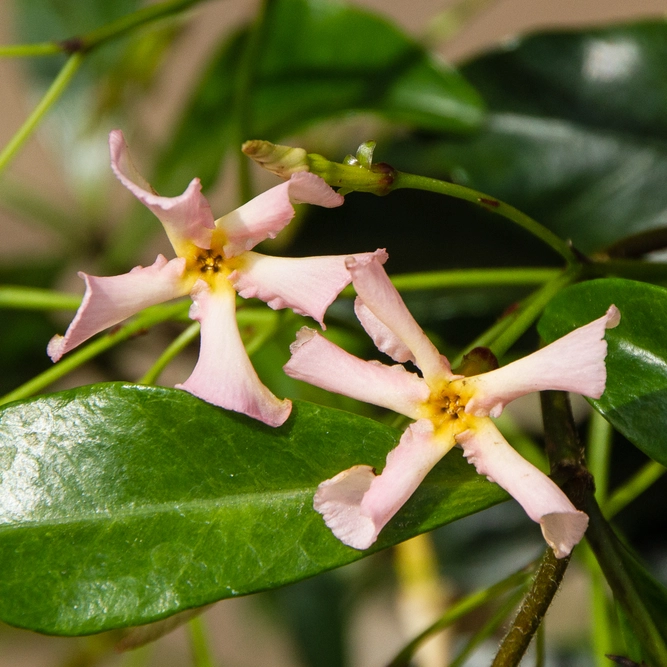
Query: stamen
[209, 262]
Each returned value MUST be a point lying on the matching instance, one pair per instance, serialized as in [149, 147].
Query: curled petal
[574, 362]
[307, 285]
[187, 219]
[110, 300]
[268, 213]
[383, 300]
[384, 338]
[563, 525]
[224, 375]
[320, 362]
[356, 504]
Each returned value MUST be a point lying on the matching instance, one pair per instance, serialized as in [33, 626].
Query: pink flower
[214, 261]
[448, 409]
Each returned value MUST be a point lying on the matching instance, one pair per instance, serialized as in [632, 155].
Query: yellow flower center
[211, 264]
[210, 261]
[446, 410]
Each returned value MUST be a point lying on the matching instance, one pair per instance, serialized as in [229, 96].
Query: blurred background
[360, 615]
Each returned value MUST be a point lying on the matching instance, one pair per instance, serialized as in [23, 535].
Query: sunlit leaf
[576, 134]
[122, 504]
[635, 399]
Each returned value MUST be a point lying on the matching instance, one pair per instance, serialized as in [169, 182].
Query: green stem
[30, 50]
[540, 648]
[172, 351]
[201, 652]
[55, 90]
[145, 320]
[129, 22]
[530, 311]
[519, 276]
[600, 433]
[489, 628]
[33, 298]
[635, 486]
[545, 585]
[99, 36]
[460, 609]
[415, 182]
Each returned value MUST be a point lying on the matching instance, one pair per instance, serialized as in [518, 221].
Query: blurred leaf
[635, 399]
[641, 598]
[124, 504]
[576, 135]
[318, 59]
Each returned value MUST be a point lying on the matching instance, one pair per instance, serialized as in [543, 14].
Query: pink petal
[383, 300]
[356, 504]
[384, 338]
[563, 525]
[224, 375]
[574, 362]
[322, 363]
[187, 219]
[110, 300]
[307, 285]
[268, 213]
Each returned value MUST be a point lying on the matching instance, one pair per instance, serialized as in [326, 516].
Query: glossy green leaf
[317, 59]
[122, 504]
[635, 399]
[576, 135]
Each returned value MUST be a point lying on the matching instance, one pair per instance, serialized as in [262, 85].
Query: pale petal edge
[224, 375]
[378, 294]
[575, 362]
[356, 504]
[186, 218]
[109, 300]
[307, 285]
[562, 524]
[323, 364]
[264, 216]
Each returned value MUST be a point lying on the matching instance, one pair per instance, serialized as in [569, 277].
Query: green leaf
[317, 59]
[122, 504]
[576, 135]
[635, 399]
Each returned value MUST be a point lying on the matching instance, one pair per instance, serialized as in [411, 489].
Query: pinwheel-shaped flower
[447, 409]
[213, 262]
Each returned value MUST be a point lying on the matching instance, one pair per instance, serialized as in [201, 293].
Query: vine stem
[95, 38]
[55, 90]
[533, 608]
[145, 320]
[201, 652]
[77, 47]
[34, 298]
[412, 181]
[515, 276]
[172, 351]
